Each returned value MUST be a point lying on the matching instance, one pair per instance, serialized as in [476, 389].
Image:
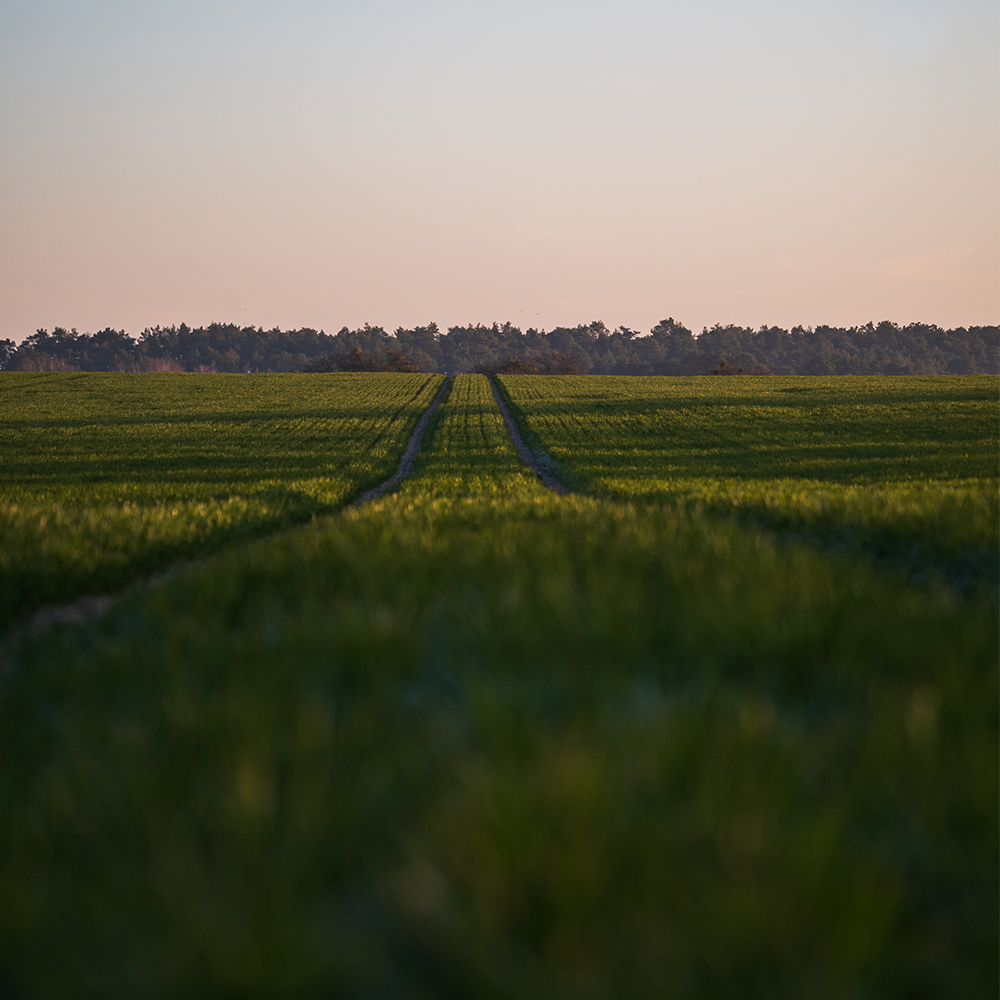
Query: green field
[478, 740]
[105, 477]
[903, 470]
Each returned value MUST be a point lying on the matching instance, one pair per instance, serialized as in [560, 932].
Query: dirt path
[409, 459]
[95, 605]
[545, 474]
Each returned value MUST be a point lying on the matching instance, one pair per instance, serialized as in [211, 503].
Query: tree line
[668, 349]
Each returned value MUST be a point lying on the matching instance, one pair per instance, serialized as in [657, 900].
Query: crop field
[904, 470]
[699, 728]
[103, 477]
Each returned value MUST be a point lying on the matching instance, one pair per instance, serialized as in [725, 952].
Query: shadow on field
[913, 552]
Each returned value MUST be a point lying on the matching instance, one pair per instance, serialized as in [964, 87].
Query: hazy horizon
[548, 164]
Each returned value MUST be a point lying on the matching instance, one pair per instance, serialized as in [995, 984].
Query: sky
[543, 162]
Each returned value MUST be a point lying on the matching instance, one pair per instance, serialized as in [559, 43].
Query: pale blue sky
[324, 164]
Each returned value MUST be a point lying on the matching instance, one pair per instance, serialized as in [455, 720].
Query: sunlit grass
[903, 470]
[104, 477]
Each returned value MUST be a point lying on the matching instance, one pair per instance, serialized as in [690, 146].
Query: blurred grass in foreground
[496, 743]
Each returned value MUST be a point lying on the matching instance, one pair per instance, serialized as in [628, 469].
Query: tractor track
[409, 459]
[92, 606]
[545, 475]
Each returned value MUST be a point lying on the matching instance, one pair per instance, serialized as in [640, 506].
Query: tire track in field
[409, 459]
[93, 606]
[386, 429]
[545, 475]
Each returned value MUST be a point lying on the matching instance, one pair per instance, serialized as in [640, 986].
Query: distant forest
[668, 349]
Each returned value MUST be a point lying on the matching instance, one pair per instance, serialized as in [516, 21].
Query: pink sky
[548, 163]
